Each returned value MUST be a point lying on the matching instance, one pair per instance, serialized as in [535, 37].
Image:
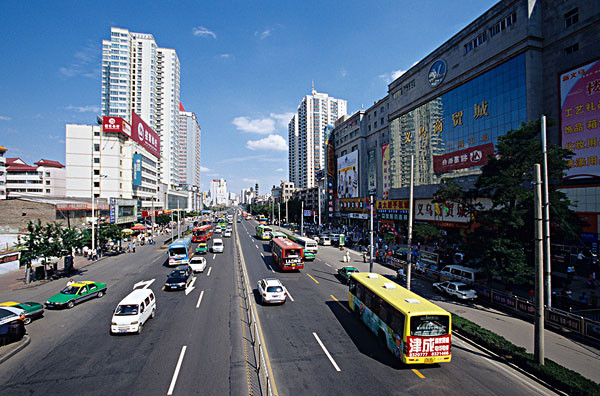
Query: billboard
[385, 169]
[579, 123]
[461, 159]
[372, 170]
[137, 169]
[330, 160]
[347, 169]
[116, 124]
[144, 135]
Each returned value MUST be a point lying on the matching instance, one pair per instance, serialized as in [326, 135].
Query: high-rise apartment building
[140, 76]
[188, 168]
[307, 151]
[218, 192]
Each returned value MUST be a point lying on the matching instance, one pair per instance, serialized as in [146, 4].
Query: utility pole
[272, 210]
[302, 219]
[410, 222]
[178, 220]
[319, 199]
[279, 216]
[153, 218]
[286, 212]
[371, 247]
[172, 236]
[546, 206]
[93, 227]
[539, 279]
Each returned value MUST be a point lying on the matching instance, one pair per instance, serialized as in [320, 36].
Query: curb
[511, 365]
[22, 344]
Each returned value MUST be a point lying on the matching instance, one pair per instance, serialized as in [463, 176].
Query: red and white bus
[202, 234]
[287, 254]
[206, 221]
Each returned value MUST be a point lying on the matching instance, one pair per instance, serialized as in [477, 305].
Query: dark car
[345, 273]
[179, 278]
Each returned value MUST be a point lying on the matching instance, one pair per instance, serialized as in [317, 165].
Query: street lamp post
[371, 237]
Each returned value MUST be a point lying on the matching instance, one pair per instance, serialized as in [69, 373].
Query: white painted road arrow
[190, 287]
[145, 284]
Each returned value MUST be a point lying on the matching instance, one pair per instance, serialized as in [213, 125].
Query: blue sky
[244, 67]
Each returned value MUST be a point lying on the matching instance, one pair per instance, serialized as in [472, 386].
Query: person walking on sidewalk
[133, 246]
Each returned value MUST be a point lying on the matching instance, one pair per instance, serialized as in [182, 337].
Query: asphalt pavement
[317, 347]
[192, 346]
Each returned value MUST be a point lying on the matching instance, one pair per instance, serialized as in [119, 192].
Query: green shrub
[551, 372]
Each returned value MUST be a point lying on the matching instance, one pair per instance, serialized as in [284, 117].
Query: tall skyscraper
[189, 152]
[307, 153]
[218, 192]
[138, 75]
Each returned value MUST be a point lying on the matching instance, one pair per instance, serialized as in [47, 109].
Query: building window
[96, 147]
[572, 17]
[96, 133]
[47, 191]
[375, 124]
[96, 184]
[47, 174]
[47, 182]
[381, 121]
[571, 48]
[96, 160]
[355, 148]
[96, 172]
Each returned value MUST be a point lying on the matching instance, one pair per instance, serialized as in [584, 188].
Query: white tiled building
[305, 130]
[44, 178]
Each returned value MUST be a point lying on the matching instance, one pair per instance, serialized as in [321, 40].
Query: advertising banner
[426, 209]
[348, 175]
[112, 212]
[372, 170]
[461, 159]
[144, 135]
[580, 118]
[354, 205]
[385, 170]
[428, 346]
[137, 169]
[330, 160]
[116, 124]
[308, 212]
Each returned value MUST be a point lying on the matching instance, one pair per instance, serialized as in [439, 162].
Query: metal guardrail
[266, 382]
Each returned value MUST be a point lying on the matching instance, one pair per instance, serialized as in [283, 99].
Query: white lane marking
[200, 299]
[288, 293]
[262, 255]
[256, 246]
[209, 269]
[271, 268]
[191, 287]
[176, 373]
[214, 255]
[327, 352]
[327, 265]
[145, 284]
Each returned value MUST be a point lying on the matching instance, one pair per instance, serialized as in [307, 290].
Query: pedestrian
[531, 295]
[133, 246]
[128, 247]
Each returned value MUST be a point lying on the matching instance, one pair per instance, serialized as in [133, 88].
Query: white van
[133, 312]
[463, 274]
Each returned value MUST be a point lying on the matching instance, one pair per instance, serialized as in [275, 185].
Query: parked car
[12, 324]
[458, 290]
[217, 246]
[76, 293]
[202, 248]
[271, 290]
[32, 310]
[198, 264]
[133, 312]
[180, 278]
[345, 273]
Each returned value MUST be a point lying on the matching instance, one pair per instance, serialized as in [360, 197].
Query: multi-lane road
[195, 345]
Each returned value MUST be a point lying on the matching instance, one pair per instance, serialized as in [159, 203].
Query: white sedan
[217, 246]
[198, 264]
[456, 289]
[227, 234]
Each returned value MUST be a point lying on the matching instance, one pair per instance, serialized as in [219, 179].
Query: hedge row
[551, 372]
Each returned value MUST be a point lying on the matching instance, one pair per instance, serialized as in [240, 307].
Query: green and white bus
[309, 246]
[263, 232]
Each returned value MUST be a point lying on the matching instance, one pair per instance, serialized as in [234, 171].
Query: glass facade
[450, 134]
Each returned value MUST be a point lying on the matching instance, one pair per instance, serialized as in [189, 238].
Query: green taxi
[32, 309]
[345, 273]
[76, 293]
[202, 248]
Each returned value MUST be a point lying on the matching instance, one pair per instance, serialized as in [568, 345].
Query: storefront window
[451, 135]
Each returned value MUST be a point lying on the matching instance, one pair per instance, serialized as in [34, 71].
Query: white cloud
[212, 174]
[5, 118]
[389, 77]
[279, 170]
[248, 180]
[282, 119]
[84, 109]
[203, 32]
[264, 34]
[226, 56]
[343, 72]
[204, 169]
[262, 126]
[82, 60]
[271, 142]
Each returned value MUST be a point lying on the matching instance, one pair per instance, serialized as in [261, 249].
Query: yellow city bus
[263, 232]
[413, 328]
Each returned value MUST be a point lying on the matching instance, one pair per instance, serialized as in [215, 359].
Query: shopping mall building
[518, 61]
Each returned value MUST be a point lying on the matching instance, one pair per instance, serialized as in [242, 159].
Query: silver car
[271, 290]
[458, 290]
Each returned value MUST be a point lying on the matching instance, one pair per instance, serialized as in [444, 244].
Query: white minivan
[133, 312]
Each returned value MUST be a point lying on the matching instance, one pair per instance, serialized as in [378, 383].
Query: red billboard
[144, 135]
[461, 159]
[116, 124]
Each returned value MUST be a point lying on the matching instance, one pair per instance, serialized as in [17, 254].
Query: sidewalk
[16, 279]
